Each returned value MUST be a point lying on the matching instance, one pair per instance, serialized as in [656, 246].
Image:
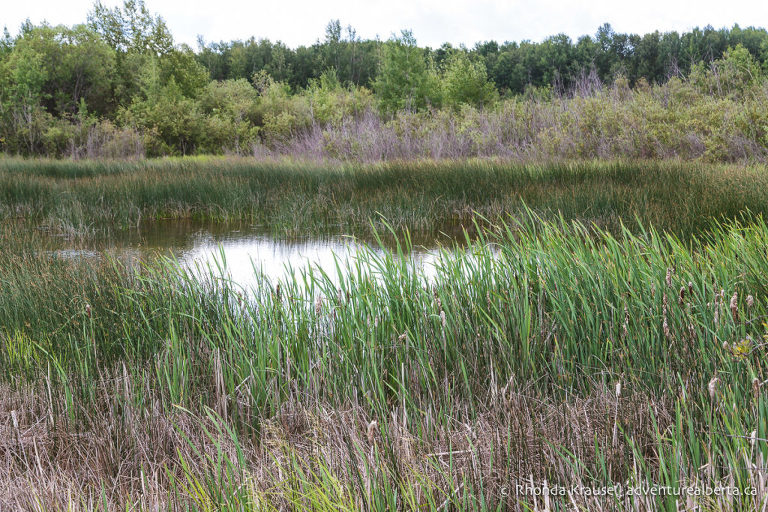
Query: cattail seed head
[442, 318]
[88, 310]
[753, 438]
[618, 389]
[750, 301]
[625, 326]
[756, 386]
[669, 277]
[712, 387]
[371, 431]
[681, 297]
[318, 305]
[735, 307]
[690, 288]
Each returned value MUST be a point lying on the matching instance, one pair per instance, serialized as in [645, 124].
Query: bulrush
[665, 324]
[750, 301]
[669, 277]
[88, 310]
[625, 326]
[735, 307]
[371, 431]
[319, 305]
[712, 387]
[717, 308]
[681, 296]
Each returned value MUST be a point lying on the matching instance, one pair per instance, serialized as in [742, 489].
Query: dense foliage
[119, 86]
[540, 353]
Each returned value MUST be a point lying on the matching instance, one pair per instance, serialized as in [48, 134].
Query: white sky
[301, 22]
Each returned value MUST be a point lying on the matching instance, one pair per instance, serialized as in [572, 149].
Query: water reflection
[242, 250]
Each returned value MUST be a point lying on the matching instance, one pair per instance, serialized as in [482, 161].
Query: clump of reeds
[387, 388]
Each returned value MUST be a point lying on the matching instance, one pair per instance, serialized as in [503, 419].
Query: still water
[241, 251]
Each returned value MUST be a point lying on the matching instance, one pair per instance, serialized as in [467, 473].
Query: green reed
[666, 339]
[292, 197]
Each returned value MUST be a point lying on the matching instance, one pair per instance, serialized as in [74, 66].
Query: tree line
[118, 83]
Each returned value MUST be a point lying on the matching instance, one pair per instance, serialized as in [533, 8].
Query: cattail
[88, 310]
[690, 288]
[618, 389]
[712, 387]
[756, 386]
[318, 305]
[669, 277]
[691, 331]
[625, 327]
[403, 337]
[734, 307]
[371, 431]
[665, 324]
[442, 318]
[277, 292]
[750, 301]
[753, 438]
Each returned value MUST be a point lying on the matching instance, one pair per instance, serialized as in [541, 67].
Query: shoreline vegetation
[89, 198]
[117, 86]
[541, 351]
[603, 322]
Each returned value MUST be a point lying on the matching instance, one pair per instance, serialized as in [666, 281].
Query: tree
[405, 81]
[132, 28]
[467, 82]
[61, 67]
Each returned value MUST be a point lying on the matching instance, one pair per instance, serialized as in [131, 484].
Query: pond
[242, 250]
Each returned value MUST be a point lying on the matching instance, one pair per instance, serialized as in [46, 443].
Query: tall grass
[542, 351]
[92, 196]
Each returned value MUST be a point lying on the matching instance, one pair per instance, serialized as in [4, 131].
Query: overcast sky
[302, 22]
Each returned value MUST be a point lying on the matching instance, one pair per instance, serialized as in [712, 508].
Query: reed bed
[83, 198]
[544, 352]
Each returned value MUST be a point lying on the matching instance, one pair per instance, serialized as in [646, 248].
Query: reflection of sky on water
[243, 258]
[244, 251]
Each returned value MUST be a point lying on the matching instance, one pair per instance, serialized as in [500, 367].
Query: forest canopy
[118, 85]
